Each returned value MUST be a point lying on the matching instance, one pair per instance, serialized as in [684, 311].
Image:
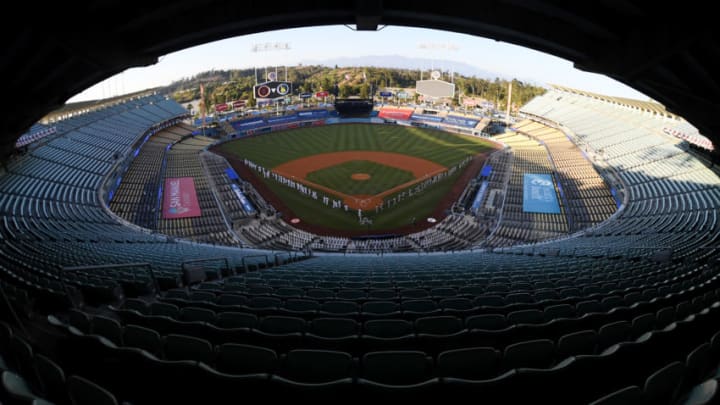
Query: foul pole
[507, 112]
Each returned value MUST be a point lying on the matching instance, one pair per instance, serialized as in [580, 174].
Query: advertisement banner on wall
[180, 198]
[539, 194]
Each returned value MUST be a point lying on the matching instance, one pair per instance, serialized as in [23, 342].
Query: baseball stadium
[292, 241]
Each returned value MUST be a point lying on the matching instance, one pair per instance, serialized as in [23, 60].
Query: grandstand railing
[187, 265]
[607, 172]
[291, 255]
[214, 190]
[64, 269]
[245, 262]
[120, 168]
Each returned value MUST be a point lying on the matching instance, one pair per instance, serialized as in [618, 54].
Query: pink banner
[180, 200]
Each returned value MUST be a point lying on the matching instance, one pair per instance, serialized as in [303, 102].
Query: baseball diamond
[390, 173]
[299, 169]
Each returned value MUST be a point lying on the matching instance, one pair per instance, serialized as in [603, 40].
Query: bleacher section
[486, 207]
[35, 133]
[183, 160]
[217, 167]
[171, 153]
[137, 198]
[456, 122]
[272, 233]
[667, 191]
[338, 323]
[588, 197]
[250, 126]
[516, 225]
[52, 214]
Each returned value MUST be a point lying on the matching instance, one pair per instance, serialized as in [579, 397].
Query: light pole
[268, 47]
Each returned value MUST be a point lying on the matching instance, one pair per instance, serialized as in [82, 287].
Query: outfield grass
[381, 177]
[273, 149]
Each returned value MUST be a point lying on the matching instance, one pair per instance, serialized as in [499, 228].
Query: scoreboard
[272, 90]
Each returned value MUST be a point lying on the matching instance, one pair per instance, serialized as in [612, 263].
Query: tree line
[223, 86]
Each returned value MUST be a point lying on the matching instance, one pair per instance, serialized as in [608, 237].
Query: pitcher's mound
[360, 176]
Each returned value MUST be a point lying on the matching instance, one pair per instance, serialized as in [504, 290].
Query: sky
[321, 43]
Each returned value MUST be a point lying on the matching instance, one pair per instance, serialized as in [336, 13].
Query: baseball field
[396, 176]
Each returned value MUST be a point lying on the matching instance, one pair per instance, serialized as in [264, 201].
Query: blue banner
[486, 170]
[479, 197]
[246, 124]
[616, 197]
[282, 119]
[539, 194]
[313, 114]
[461, 121]
[246, 204]
[232, 174]
[425, 117]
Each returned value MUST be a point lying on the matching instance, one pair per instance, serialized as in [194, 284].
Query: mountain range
[404, 62]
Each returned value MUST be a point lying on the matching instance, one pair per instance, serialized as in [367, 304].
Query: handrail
[108, 266]
[277, 260]
[244, 264]
[225, 259]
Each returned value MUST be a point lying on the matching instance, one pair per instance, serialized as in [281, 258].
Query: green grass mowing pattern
[273, 149]
[381, 177]
[312, 211]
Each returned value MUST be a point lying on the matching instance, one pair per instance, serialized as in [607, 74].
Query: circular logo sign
[263, 91]
[435, 74]
[283, 89]
[272, 76]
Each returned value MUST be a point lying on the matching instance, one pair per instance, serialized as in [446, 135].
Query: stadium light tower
[438, 46]
[269, 47]
[437, 88]
[272, 76]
